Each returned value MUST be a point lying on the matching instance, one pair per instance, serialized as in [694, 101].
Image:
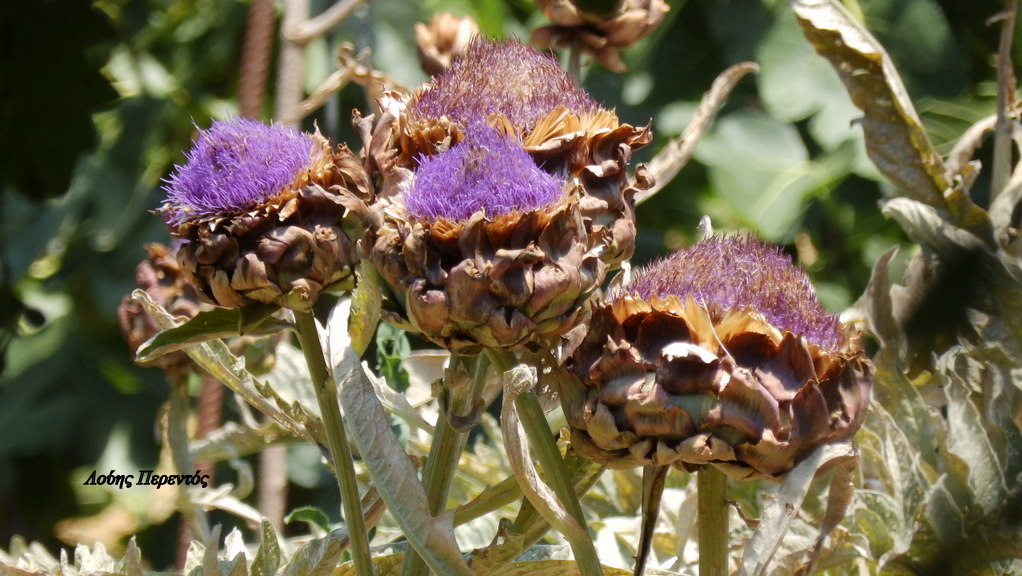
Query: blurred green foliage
[97, 99]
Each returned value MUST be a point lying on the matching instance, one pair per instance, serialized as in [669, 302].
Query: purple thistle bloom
[487, 171]
[500, 77]
[234, 166]
[741, 272]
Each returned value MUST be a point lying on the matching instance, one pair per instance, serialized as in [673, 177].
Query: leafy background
[97, 99]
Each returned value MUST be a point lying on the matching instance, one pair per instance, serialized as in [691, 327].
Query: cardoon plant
[266, 213]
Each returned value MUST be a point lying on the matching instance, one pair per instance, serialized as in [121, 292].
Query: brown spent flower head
[445, 37]
[702, 360]
[601, 33]
[483, 249]
[159, 276]
[268, 214]
[526, 94]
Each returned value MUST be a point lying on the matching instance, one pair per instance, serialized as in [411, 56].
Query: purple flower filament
[487, 171]
[235, 166]
[506, 78]
[741, 272]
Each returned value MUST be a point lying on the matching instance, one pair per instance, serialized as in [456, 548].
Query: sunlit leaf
[316, 558]
[267, 557]
[393, 473]
[215, 357]
[895, 138]
[365, 309]
[210, 324]
[779, 512]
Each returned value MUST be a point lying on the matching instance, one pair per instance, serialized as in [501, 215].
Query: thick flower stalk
[719, 354]
[525, 94]
[482, 248]
[268, 214]
[593, 28]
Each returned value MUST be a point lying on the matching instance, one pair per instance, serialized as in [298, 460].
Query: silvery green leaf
[194, 555]
[343, 359]
[366, 301]
[781, 510]
[290, 382]
[267, 557]
[393, 473]
[517, 381]
[895, 138]
[233, 440]
[874, 306]
[132, 561]
[318, 557]
[210, 324]
[220, 498]
[554, 560]
[878, 517]
[216, 358]
[929, 227]
[385, 565]
[968, 439]
[943, 513]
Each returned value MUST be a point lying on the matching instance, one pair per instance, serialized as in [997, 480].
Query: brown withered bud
[268, 214]
[717, 355]
[160, 277]
[445, 37]
[601, 33]
[525, 94]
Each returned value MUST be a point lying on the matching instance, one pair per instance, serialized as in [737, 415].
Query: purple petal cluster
[741, 272]
[234, 166]
[500, 77]
[487, 171]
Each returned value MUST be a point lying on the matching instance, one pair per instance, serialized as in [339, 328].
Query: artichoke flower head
[267, 214]
[482, 248]
[502, 200]
[719, 354]
[524, 94]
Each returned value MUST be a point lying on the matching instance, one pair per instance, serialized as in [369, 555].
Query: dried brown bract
[444, 38]
[599, 33]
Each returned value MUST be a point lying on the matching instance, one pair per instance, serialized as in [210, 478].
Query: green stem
[1005, 91]
[713, 524]
[548, 455]
[575, 63]
[340, 451]
[653, 480]
[447, 444]
[177, 440]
